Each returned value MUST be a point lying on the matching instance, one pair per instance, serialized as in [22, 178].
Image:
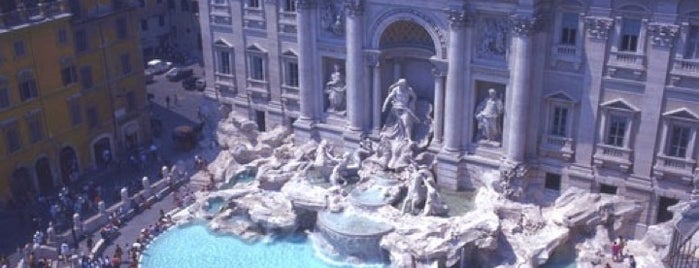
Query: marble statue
[365, 149]
[434, 204]
[323, 160]
[416, 191]
[340, 171]
[402, 99]
[336, 88]
[488, 114]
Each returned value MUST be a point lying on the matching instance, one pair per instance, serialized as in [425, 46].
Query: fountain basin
[353, 235]
[379, 193]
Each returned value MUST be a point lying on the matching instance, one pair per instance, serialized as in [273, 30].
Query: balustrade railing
[25, 13]
[627, 59]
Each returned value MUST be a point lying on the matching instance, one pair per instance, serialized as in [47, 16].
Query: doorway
[102, 152]
[21, 186]
[44, 175]
[69, 164]
[260, 120]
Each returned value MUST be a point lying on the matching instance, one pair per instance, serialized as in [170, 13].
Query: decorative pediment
[620, 104]
[560, 96]
[256, 48]
[290, 53]
[682, 113]
[222, 43]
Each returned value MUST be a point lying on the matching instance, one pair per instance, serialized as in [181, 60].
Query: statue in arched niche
[336, 89]
[402, 99]
[488, 114]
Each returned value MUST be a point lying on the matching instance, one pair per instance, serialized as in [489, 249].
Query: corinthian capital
[663, 35]
[523, 24]
[458, 17]
[354, 7]
[598, 27]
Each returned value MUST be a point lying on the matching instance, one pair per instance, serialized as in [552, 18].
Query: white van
[157, 66]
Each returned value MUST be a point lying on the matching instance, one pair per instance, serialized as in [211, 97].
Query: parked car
[157, 66]
[190, 83]
[176, 73]
[200, 84]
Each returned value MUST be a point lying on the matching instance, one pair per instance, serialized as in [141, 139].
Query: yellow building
[72, 91]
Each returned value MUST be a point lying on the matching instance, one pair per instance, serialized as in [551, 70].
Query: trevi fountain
[380, 203]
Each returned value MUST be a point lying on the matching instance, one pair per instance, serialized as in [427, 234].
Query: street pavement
[183, 109]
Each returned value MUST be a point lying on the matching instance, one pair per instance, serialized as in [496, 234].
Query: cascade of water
[463, 257]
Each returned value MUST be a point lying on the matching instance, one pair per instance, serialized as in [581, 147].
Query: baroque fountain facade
[380, 202]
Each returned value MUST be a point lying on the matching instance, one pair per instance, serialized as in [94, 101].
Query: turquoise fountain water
[195, 246]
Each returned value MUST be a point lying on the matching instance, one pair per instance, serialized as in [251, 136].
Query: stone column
[376, 97]
[520, 73]
[439, 76]
[304, 22]
[455, 87]
[356, 104]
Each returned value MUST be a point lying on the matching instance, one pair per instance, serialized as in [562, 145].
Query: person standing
[176, 99]
[632, 261]
[167, 102]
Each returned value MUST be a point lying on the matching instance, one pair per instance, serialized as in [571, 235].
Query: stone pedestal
[449, 173]
[77, 224]
[101, 207]
[146, 187]
[125, 201]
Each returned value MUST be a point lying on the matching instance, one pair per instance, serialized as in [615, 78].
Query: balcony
[676, 166]
[613, 157]
[557, 147]
[628, 61]
[569, 54]
[686, 67]
[290, 93]
[224, 79]
[25, 15]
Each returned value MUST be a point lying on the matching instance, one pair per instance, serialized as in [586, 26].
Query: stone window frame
[687, 22]
[289, 57]
[618, 107]
[11, 126]
[560, 99]
[121, 28]
[93, 116]
[679, 117]
[69, 74]
[253, 4]
[5, 95]
[27, 75]
[629, 12]
[62, 36]
[219, 46]
[566, 52]
[75, 109]
[35, 125]
[252, 52]
[289, 6]
[87, 80]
